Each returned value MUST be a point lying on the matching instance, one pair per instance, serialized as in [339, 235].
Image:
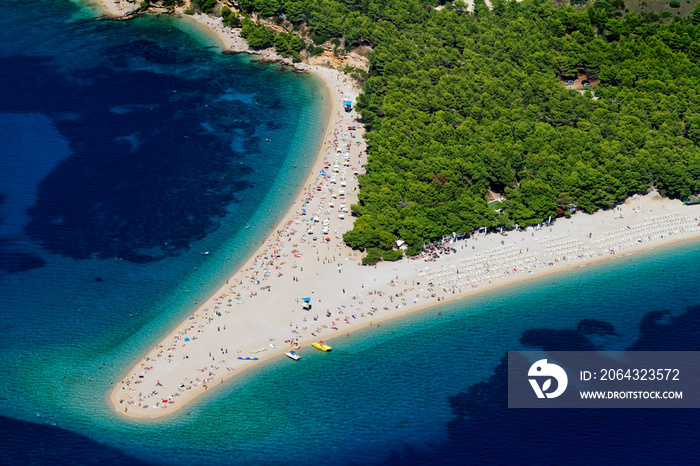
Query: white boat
[293, 355]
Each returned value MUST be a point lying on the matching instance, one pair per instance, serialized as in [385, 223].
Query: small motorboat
[293, 355]
[321, 346]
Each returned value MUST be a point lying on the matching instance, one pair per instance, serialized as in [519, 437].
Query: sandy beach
[258, 314]
[282, 269]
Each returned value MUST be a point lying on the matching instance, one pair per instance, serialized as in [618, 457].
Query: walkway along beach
[258, 313]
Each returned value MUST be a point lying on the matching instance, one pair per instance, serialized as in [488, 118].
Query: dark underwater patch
[28, 443]
[17, 262]
[140, 185]
[485, 430]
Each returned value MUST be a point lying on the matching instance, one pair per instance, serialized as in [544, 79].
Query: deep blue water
[127, 149]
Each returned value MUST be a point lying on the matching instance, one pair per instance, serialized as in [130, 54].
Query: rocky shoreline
[231, 39]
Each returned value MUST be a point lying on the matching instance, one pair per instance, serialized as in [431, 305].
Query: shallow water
[96, 176]
[127, 151]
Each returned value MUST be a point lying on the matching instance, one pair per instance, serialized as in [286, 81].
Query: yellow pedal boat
[321, 345]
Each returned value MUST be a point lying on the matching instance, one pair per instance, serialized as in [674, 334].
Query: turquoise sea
[128, 149]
